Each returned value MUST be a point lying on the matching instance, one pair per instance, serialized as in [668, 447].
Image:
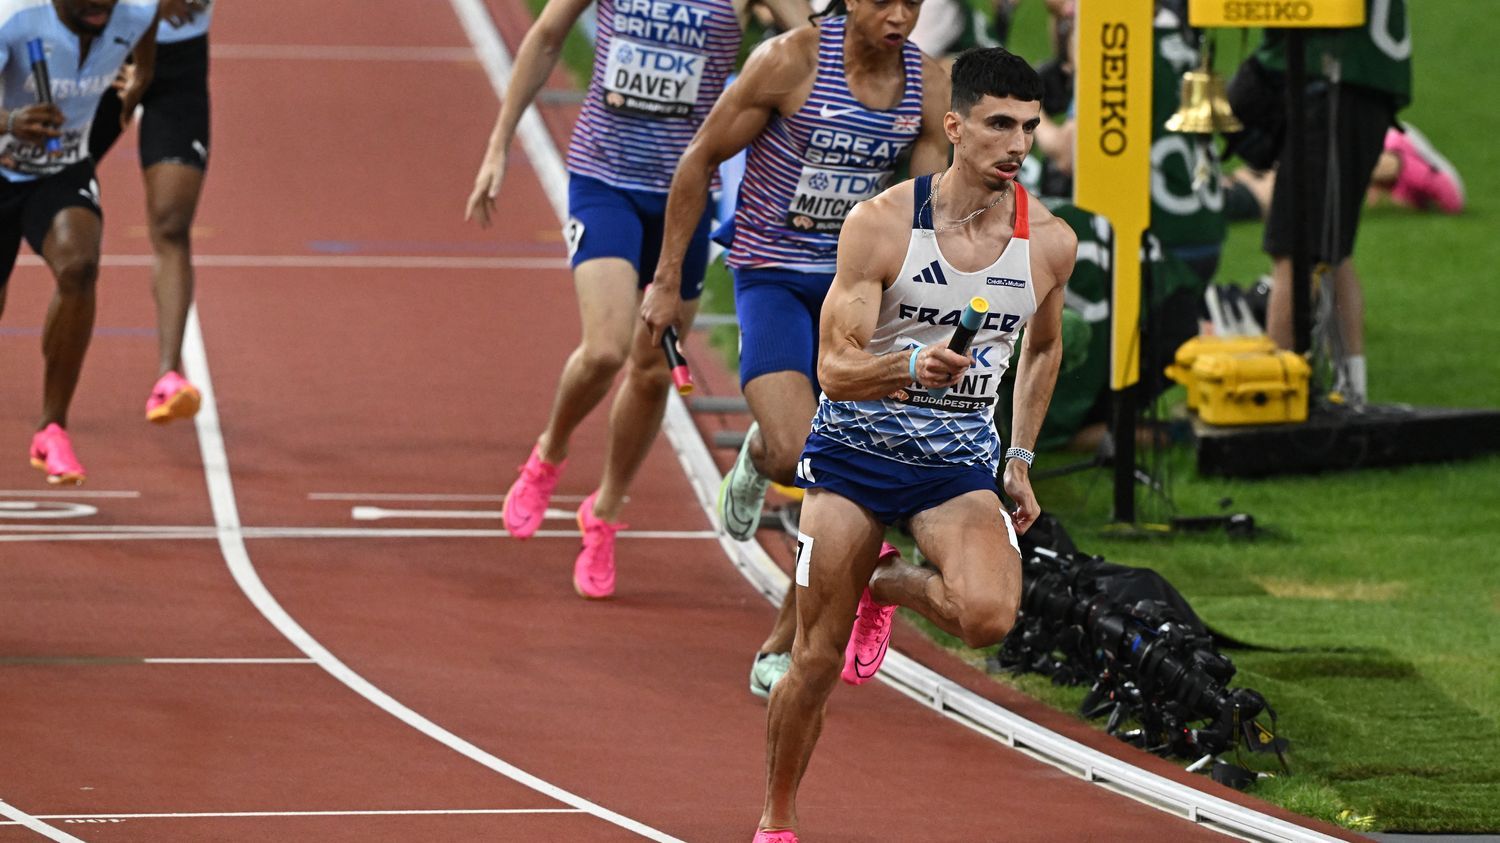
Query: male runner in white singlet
[886, 445]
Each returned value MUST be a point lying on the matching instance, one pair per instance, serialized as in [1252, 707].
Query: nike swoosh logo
[829, 113]
[875, 662]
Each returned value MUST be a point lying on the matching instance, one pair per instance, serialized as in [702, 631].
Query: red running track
[367, 349]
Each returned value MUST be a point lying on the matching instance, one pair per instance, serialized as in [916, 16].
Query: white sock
[1354, 371]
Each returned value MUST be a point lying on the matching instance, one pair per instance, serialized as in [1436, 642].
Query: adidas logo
[931, 274]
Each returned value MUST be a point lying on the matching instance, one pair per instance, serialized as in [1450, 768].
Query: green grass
[1387, 582]
[1384, 583]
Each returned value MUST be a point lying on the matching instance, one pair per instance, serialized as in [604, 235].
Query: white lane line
[105, 528]
[11, 661]
[19, 817]
[99, 537]
[334, 262]
[379, 513]
[228, 661]
[333, 52]
[237, 556]
[430, 498]
[45, 510]
[437, 812]
[100, 533]
[49, 493]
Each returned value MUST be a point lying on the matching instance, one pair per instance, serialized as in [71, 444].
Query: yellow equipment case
[1189, 352]
[1250, 388]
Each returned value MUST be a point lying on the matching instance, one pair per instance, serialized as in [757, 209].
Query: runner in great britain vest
[806, 171]
[659, 65]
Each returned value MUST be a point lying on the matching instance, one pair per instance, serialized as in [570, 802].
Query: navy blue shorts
[889, 489]
[610, 222]
[779, 311]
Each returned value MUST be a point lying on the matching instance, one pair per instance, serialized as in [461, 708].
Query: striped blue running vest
[807, 170]
[659, 66]
[921, 307]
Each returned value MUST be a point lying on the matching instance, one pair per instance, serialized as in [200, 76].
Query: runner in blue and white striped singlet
[806, 170]
[659, 65]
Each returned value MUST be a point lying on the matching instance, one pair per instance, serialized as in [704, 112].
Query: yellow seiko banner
[1276, 14]
[1112, 153]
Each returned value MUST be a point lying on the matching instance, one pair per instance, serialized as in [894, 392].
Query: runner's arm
[871, 247]
[1041, 356]
[535, 59]
[771, 77]
[788, 14]
[930, 153]
[142, 74]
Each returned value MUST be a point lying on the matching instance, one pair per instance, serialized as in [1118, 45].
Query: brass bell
[1204, 108]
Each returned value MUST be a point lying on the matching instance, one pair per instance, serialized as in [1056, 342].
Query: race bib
[18, 156]
[573, 235]
[824, 197]
[647, 80]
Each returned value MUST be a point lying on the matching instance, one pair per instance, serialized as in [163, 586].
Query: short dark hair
[992, 71]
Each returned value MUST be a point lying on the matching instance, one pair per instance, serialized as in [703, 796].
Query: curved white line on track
[232, 544]
[237, 556]
[19, 817]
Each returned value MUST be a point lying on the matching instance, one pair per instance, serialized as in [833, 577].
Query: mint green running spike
[767, 671]
[742, 495]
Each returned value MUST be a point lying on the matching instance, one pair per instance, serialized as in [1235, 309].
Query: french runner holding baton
[682, 377]
[968, 325]
[37, 53]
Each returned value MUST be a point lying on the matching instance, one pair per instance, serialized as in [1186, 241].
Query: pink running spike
[172, 398]
[1427, 179]
[526, 502]
[871, 635]
[785, 835]
[52, 452]
[594, 570]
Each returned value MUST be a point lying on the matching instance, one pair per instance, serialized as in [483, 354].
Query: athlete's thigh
[62, 215]
[971, 542]
[783, 405]
[837, 546]
[607, 302]
[76, 234]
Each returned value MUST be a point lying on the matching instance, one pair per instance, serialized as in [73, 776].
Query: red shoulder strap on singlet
[1023, 219]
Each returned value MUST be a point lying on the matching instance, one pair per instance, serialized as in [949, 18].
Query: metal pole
[1123, 425]
[1295, 171]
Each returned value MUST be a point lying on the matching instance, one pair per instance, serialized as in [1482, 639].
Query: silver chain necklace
[932, 198]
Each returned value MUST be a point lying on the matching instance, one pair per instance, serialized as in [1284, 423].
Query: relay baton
[38, 55]
[681, 377]
[968, 326]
